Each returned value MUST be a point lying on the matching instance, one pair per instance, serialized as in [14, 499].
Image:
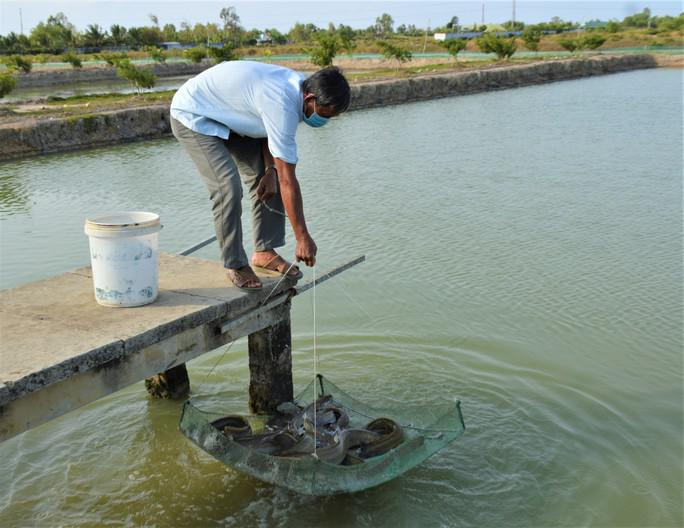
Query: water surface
[524, 256]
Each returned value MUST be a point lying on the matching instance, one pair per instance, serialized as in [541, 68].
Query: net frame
[426, 431]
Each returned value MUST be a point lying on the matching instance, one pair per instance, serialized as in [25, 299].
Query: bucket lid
[133, 223]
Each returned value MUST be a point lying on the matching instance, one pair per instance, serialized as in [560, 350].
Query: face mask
[315, 120]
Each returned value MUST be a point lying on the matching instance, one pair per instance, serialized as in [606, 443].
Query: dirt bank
[31, 137]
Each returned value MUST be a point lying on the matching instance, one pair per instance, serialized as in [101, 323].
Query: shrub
[41, 58]
[195, 54]
[613, 26]
[593, 41]
[156, 54]
[7, 84]
[225, 53]
[454, 46]
[138, 77]
[72, 59]
[571, 45]
[17, 62]
[328, 46]
[531, 38]
[112, 58]
[392, 52]
[503, 47]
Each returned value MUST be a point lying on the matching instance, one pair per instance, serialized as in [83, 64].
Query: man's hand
[268, 186]
[306, 250]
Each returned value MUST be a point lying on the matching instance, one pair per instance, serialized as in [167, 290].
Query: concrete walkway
[59, 349]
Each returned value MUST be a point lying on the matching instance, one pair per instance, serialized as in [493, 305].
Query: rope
[263, 202]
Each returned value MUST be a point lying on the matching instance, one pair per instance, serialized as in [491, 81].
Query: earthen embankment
[120, 126]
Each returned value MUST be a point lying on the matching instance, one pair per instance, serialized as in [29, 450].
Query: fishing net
[426, 431]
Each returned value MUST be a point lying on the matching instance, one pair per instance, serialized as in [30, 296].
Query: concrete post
[270, 366]
[171, 384]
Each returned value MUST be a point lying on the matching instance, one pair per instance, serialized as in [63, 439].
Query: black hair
[330, 88]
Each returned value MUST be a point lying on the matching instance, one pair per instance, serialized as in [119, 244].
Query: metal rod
[329, 274]
[197, 246]
[280, 299]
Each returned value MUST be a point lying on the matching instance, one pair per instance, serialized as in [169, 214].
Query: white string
[262, 303]
[315, 357]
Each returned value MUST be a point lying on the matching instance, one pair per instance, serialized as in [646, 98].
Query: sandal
[244, 276]
[280, 265]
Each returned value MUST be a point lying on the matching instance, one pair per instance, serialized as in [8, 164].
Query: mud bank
[104, 73]
[107, 128]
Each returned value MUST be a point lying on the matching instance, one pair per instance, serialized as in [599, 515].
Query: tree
[613, 26]
[13, 43]
[214, 34]
[231, 24]
[72, 59]
[531, 37]
[185, 34]
[226, 53]
[154, 19]
[199, 33]
[642, 19]
[112, 58]
[502, 46]
[392, 52]
[156, 54]
[347, 38]
[328, 46]
[7, 84]
[18, 63]
[118, 34]
[453, 24]
[195, 54]
[384, 25]
[94, 36]
[454, 46]
[169, 32]
[134, 37]
[571, 45]
[556, 24]
[669, 23]
[138, 77]
[302, 32]
[276, 36]
[513, 25]
[57, 33]
[593, 41]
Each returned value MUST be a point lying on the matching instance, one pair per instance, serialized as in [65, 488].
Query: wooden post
[172, 384]
[270, 365]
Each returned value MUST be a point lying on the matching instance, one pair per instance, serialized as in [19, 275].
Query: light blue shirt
[250, 98]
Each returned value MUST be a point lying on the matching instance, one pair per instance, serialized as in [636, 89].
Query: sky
[282, 14]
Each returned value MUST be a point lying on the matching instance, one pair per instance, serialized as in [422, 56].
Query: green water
[524, 256]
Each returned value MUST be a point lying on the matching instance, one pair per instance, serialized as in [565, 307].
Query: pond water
[524, 255]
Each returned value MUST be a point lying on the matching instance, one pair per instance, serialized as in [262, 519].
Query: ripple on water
[539, 286]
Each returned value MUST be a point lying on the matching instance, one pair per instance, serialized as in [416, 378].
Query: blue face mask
[315, 120]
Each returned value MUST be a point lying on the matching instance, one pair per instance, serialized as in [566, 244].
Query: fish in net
[324, 445]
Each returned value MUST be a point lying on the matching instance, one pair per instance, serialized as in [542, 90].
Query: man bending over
[237, 121]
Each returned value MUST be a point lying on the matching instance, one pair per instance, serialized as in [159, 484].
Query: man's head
[326, 92]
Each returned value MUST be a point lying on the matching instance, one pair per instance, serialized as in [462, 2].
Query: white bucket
[124, 257]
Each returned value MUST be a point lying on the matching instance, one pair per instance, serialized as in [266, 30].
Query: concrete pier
[60, 350]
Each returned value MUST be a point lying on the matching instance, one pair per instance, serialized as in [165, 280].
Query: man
[238, 120]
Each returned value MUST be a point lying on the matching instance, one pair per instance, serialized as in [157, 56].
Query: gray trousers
[222, 164]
